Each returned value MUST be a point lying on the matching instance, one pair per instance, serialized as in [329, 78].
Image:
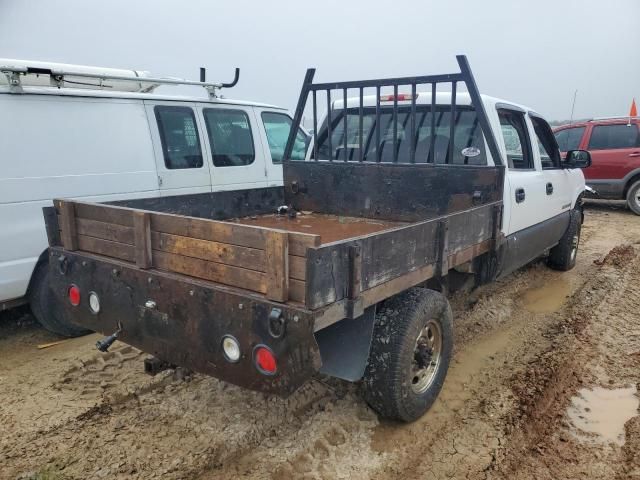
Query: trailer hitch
[104, 344]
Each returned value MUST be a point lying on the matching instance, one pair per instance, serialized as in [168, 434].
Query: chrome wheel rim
[636, 198]
[574, 246]
[426, 357]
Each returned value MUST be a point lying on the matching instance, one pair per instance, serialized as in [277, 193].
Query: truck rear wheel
[45, 308]
[563, 255]
[410, 353]
[633, 197]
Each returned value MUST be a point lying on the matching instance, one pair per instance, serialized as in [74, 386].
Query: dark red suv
[614, 144]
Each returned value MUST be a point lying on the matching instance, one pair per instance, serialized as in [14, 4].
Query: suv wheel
[633, 197]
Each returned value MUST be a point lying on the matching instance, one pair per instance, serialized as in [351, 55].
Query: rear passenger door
[177, 136]
[233, 142]
[615, 151]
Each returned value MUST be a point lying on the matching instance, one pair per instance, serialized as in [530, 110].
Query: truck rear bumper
[183, 321]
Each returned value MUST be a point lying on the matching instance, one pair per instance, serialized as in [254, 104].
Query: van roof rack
[21, 73]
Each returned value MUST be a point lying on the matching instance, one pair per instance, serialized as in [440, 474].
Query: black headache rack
[453, 79]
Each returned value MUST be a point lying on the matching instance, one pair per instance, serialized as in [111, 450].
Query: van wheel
[563, 255]
[633, 198]
[46, 308]
[410, 353]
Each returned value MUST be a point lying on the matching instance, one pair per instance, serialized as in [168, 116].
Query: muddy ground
[543, 385]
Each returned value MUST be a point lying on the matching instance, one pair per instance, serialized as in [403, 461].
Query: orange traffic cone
[633, 112]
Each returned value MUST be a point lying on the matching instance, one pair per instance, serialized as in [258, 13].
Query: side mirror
[577, 159]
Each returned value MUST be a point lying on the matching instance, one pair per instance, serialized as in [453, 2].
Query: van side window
[549, 152]
[179, 137]
[516, 140]
[230, 137]
[277, 127]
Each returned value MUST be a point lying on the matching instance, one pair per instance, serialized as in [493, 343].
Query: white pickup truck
[338, 271]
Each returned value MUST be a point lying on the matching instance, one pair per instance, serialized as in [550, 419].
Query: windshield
[468, 139]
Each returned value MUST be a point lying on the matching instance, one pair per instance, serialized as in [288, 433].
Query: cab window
[179, 137]
[549, 153]
[230, 137]
[277, 127]
[516, 140]
[569, 138]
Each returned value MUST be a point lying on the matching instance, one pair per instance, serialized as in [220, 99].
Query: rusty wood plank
[234, 255]
[68, 224]
[215, 272]
[142, 234]
[297, 267]
[277, 265]
[106, 247]
[297, 290]
[397, 285]
[105, 213]
[300, 242]
[106, 231]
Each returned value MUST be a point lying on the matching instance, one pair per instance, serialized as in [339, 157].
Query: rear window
[230, 137]
[468, 146]
[179, 137]
[569, 138]
[605, 137]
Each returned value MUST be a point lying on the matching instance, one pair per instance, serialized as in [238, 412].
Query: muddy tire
[410, 354]
[633, 197]
[45, 307]
[563, 255]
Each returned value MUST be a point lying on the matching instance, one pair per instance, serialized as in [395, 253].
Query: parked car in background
[102, 134]
[614, 144]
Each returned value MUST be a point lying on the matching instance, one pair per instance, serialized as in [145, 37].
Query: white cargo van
[102, 134]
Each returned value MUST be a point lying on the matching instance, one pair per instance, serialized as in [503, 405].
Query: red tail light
[401, 97]
[74, 295]
[265, 361]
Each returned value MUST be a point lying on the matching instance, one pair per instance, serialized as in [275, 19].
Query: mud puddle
[550, 296]
[602, 413]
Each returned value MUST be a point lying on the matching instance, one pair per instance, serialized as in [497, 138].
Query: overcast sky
[536, 52]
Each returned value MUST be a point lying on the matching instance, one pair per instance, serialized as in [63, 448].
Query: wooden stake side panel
[268, 261]
[332, 269]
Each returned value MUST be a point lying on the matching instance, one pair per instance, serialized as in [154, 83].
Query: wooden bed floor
[331, 228]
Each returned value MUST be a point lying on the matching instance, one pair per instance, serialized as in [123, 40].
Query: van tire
[45, 308]
[393, 384]
[633, 197]
[563, 256]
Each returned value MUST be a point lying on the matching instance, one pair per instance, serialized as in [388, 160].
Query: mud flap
[344, 346]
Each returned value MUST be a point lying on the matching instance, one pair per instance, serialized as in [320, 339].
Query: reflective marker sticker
[470, 152]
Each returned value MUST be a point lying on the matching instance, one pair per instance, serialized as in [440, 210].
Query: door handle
[477, 197]
[549, 188]
[519, 195]
[634, 154]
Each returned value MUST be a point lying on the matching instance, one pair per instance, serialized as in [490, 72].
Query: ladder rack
[60, 74]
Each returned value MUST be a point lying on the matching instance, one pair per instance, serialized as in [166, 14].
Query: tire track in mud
[124, 424]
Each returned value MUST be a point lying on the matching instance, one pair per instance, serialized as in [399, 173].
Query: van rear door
[178, 139]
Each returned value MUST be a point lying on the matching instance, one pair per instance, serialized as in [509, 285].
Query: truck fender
[344, 346]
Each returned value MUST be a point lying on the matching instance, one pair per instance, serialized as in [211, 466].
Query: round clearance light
[265, 360]
[94, 302]
[231, 349]
[74, 295]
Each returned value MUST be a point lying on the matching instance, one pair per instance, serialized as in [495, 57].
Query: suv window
[468, 148]
[604, 137]
[549, 153]
[179, 137]
[230, 137]
[277, 127]
[516, 140]
[569, 138]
